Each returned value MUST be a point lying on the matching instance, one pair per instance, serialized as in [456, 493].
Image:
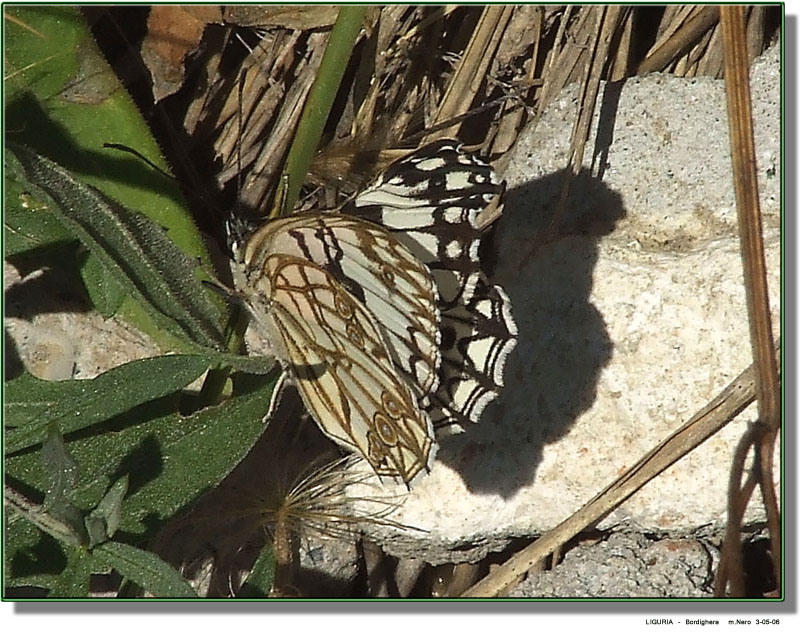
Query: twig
[737, 81]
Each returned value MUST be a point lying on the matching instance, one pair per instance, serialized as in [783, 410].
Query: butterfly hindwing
[476, 339]
[431, 200]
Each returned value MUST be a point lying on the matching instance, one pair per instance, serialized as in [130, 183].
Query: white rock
[55, 334]
[630, 320]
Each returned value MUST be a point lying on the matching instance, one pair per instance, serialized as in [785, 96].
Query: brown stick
[737, 81]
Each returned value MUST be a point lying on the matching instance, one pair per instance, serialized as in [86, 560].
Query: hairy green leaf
[31, 404]
[106, 516]
[62, 474]
[132, 249]
[63, 100]
[169, 459]
[144, 569]
[73, 582]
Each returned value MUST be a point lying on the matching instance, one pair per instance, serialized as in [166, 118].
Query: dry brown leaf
[296, 17]
[172, 33]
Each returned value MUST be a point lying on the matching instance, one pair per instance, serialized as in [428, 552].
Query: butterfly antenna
[123, 148]
[237, 226]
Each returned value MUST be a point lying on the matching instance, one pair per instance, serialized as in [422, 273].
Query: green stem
[320, 100]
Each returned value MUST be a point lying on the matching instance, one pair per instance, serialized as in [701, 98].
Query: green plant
[95, 467]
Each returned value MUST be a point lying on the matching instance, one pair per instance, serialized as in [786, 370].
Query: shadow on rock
[546, 266]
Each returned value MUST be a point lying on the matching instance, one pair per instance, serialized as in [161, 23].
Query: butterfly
[352, 315]
[381, 315]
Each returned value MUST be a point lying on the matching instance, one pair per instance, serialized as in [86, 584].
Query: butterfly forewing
[382, 273]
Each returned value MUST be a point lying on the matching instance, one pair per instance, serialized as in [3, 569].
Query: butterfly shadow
[546, 266]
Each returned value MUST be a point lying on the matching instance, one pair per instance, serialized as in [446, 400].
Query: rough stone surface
[628, 566]
[56, 336]
[631, 318]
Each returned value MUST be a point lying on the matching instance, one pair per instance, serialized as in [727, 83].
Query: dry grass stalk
[620, 55]
[608, 20]
[471, 70]
[676, 43]
[401, 85]
[764, 435]
[567, 54]
[511, 120]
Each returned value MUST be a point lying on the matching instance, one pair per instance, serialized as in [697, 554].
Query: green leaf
[106, 294]
[132, 249]
[145, 569]
[60, 467]
[31, 557]
[63, 522]
[73, 582]
[104, 519]
[62, 473]
[28, 223]
[31, 404]
[63, 100]
[169, 459]
[95, 530]
[196, 455]
[261, 578]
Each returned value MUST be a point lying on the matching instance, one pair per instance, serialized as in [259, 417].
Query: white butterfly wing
[331, 296]
[380, 272]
